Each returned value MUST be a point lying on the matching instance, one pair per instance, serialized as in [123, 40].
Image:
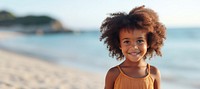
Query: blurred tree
[31, 24]
[8, 19]
[34, 20]
[5, 15]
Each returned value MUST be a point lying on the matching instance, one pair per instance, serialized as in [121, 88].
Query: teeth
[133, 53]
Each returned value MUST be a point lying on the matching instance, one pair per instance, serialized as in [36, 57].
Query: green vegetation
[8, 19]
[31, 24]
[4, 15]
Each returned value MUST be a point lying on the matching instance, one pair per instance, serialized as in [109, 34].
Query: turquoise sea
[179, 66]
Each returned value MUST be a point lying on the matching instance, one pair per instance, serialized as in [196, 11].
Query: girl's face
[133, 44]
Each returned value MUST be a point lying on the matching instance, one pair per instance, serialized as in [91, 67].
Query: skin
[133, 45]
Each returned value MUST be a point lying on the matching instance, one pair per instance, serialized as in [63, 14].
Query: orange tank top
[124, 81]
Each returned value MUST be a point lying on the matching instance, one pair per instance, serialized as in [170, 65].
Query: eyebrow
[141, 38]
[137, 38]
[125, 38]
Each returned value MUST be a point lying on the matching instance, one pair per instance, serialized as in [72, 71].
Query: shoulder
[154, 71]
[113, 72]
[111, 76]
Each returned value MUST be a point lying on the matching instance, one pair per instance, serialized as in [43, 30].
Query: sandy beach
[23, 72]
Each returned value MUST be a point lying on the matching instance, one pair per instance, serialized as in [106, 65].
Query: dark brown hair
[138, 18]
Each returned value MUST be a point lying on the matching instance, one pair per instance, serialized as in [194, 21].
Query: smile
[134, 53]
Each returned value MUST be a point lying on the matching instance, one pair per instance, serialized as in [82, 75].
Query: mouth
[134, 53]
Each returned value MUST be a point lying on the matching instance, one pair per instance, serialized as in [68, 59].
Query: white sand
[21, 72]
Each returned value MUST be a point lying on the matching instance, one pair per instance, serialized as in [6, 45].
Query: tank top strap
[119, 69]
[148, 68]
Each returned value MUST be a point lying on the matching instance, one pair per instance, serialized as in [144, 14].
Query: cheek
[124, 49]
[144, 47]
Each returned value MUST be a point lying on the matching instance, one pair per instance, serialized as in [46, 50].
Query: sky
[89, 14]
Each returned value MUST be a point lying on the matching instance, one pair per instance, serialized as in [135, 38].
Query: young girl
[134, 37]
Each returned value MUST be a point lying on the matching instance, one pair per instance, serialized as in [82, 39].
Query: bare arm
[157, 77]
[111, 77]
[157, 80]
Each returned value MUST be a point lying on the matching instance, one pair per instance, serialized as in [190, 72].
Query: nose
[134, 46]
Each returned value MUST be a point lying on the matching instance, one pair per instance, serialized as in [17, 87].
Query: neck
[141, 62]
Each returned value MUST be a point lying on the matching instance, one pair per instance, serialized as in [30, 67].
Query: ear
[148, 46]
[120, 47]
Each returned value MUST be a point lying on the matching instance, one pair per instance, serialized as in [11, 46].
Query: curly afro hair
[138, 18]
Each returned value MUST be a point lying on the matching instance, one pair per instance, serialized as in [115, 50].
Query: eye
[126, 42]
[140, 41]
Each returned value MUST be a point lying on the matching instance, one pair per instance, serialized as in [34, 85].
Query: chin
[134, 59]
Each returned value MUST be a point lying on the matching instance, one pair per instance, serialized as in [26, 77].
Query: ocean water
[179, 64]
